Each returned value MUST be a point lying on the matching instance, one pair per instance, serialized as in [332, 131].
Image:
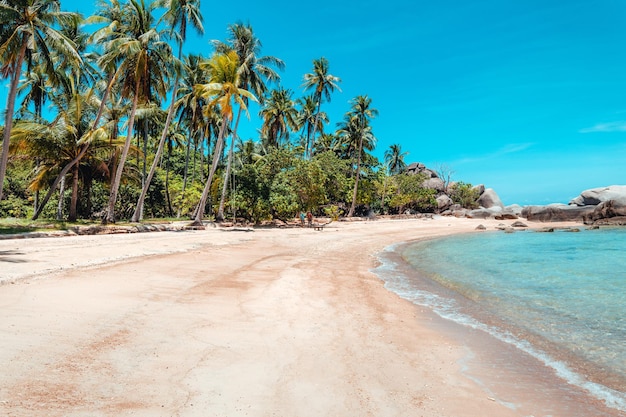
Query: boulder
[443, 202]
[519, 224]
[484, 213]
[606, 210]
[490, 199]
[514, 209]
[557, 213]
[434, 183]
[596, 196]
[480, 188]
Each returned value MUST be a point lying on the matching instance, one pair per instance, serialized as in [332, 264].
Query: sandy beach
[269, 322]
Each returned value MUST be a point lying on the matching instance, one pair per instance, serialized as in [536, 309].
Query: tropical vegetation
[107, 118]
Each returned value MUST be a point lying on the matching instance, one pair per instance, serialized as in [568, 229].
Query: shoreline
[287, 321]
[564, 374]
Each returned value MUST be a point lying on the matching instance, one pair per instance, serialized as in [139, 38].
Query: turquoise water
[555, 295]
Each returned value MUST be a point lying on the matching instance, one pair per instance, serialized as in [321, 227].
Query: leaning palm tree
[178, 15]
[357, 128]
[28, 26]
[323, 84]
[222, 90]
[254, 72]
[142, 63]
[279, 117]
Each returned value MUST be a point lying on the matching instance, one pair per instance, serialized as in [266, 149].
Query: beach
[249, 322]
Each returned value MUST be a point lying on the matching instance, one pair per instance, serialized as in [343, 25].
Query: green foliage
[333, 212]
[465, 195]
[410, 194]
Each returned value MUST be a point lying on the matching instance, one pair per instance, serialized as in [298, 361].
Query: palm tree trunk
[60, 203]
[74, 198]
[8, 118]
[312, 138]
[356, 182]
[207, 186]
[220, 212]
[138, 215]
[115, 185]
[187, 151]
[80, 155]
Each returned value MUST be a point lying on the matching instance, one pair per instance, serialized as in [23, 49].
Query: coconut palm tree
[394, 159]
[254, 72]
[178, 15]
[142, 59]
[394, 164]
[279, 116]
[26, 27]
[357, 128]
[323, 84]
[223, 91]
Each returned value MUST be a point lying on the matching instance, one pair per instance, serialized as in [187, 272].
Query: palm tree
[394, 159]
[394, 164]
[179, 13]
[223, 90]
[190, 108]
[142, 63]
[28, 26]
[279, 116]
[322, 83]
[357, 128]
[254, 71]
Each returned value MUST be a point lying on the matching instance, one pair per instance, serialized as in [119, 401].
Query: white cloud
[606, 127]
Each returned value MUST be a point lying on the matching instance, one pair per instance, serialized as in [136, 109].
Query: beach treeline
[109, 118]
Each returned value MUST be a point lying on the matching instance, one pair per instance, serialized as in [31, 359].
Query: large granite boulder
[490, 199]
[596, 196]
[607, 212]
[557, 212]
[485, 213]
[435, 184]
[480, 189]
[444, 202]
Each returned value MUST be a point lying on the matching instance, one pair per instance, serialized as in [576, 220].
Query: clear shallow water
[558, 295]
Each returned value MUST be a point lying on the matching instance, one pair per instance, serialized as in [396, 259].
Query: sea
[557, 296]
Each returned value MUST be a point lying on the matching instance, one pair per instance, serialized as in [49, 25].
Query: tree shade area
[136, 128]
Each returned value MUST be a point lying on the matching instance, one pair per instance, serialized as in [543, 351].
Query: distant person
[302, 218]
[309, 218]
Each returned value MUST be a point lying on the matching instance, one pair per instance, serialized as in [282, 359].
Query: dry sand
[270, 322]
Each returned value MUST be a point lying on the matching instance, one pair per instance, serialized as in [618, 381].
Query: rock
[519, 224]
[596, 196]
[434, 183]
[480, 188]
[546, 230]
[490, 199]
[443, 202]
[483, 213]
[507, 216]
[606, 210]
[481, 227]
[509, 230]
[556, 213]
[514, 208]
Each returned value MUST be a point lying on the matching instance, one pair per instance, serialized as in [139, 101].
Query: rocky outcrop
[490, 199]
[604, 205]
[444, 202]
[596, 196]
[556, 213]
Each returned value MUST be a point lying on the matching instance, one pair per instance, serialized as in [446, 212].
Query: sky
[526, 97]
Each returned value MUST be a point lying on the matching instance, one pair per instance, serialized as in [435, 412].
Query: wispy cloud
[606, 127]
[505, 150]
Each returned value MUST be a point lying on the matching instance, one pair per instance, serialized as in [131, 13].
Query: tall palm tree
[307, 118]
[357, 127]
[142, 61]
[279, 116]
[178, 15]
[254, 72]
[323, 84]
[27, 26]
[223, 91]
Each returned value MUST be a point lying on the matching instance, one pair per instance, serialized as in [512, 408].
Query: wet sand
[270, 322]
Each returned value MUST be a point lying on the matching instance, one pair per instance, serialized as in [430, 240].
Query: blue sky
[526, 97]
